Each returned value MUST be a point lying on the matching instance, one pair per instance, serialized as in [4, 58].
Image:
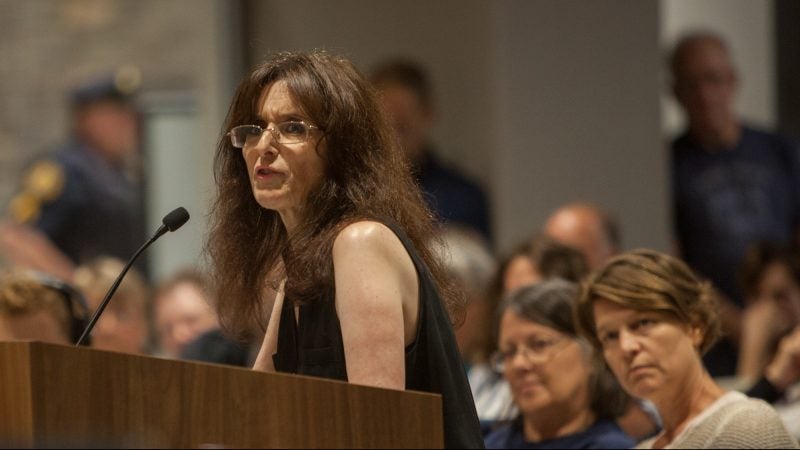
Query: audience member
[533, 260]
[733, 184]
[470, 262]
[542, 258]
[83, 201]
[780, 382]
[186, 325]
[566, 397]
[652, 319]
[31, 310]
[539, 258]
[770, 275]
[125, 323]
[214, 346]
[770, 349]
[588, 229]
[182, 311]
[408, 99]
[24, 246]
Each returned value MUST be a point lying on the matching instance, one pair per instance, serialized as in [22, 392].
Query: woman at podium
[318, 220]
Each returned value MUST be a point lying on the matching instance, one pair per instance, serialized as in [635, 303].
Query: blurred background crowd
[548, 136]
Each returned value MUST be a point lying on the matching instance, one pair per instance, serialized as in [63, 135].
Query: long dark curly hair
[366, 177]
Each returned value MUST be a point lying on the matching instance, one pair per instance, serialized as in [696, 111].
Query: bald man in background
[586, 228]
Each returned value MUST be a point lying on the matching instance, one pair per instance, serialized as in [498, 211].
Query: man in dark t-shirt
[732, 184]
[451, 195]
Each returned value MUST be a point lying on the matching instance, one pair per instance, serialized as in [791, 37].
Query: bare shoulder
[375, 278]
[366, 235]
[372, 249]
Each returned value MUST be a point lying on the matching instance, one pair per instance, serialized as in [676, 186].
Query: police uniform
[85, 205]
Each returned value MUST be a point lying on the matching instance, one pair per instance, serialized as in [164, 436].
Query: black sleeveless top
[313, 346]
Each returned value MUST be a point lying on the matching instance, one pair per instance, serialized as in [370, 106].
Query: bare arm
[376, 302]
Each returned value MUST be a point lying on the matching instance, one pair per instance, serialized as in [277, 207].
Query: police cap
[119, 85]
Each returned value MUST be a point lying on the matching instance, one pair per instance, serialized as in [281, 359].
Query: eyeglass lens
[283, 133]
[540, 351]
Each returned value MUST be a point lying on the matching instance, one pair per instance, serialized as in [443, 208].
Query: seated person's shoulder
[774, 139]
[455, 179]
[754, 423]
[752, 410]
[499, 434]
[215, 347]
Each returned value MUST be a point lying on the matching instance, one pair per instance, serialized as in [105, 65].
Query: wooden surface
[16, 413]
[61, 396]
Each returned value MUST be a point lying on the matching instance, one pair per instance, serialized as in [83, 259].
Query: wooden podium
[58, 396]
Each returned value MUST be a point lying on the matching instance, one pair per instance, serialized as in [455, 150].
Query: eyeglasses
[536, 351]
[291, 132]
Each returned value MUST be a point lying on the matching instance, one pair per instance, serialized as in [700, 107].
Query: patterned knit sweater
[733, 421]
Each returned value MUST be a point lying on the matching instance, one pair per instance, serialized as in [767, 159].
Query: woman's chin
[642, 389]
[267, 200]
[534, 405]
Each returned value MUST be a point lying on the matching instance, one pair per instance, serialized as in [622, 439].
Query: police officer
[84, 198]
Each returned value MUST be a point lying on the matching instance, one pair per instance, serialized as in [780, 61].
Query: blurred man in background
[84, 201]
[733, 184]
[586, 228]
[125, 325]
[407, 98]
[182, 311]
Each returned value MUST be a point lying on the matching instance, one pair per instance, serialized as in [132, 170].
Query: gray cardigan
[733, 421]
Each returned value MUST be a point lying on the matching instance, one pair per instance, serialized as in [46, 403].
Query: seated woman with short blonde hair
[652, 319]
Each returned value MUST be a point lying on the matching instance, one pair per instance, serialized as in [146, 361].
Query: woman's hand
[763, 322]
[784, 370]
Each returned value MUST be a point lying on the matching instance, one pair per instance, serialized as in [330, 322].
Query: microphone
[170, 222]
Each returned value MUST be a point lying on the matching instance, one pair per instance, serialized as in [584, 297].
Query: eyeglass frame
[276, 134]
[498, 360]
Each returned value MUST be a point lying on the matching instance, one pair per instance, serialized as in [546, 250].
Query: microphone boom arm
[171, 222]
[114, 287]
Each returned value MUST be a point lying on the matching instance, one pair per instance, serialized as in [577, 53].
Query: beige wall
[452, 38]
[544, 101]
[577, 117]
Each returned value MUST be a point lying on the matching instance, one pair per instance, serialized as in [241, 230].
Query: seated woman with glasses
[566, 397]
[323, 210]
[652, 320]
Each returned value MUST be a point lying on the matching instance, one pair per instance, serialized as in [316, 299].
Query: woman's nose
[522, 362]
[266, 143]
[628, 342]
